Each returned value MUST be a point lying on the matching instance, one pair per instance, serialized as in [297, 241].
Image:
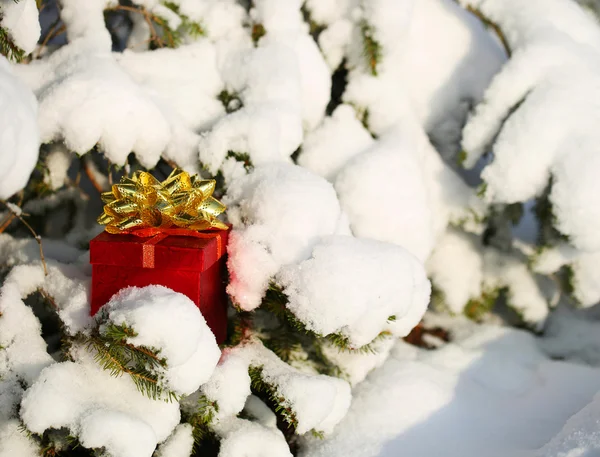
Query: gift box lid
[172, 252]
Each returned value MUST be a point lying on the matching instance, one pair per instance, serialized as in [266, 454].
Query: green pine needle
[8, 48]
[143, 364]
[282, 408]
[371, 47]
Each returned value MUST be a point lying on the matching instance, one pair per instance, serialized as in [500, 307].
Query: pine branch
[201, 420]
[16, 212]
[242, 157]
[143, 364]
[231, 101]
[191, 28]
[8, 48]
[275, 302]
[492, 25]
[260, 386]
[371, 47]
[476, 308]
[258, 31]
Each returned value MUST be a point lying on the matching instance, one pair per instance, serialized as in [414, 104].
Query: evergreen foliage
[115, 354]
[273, 323]
[372, 51]
[8, 49]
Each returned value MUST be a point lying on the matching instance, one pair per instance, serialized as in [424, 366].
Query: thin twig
[38, 238]
[495, 27]
[11, 216]
[55, 29]
[149, 17]
[90, 174]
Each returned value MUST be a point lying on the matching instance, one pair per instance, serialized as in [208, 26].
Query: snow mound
[86, 98]
[490, 390]
[278, 213]
[384, 193]
[337, 140]
[318, 402]
[171, 323]
[19, 134]
[356, 288]
[541, 109]
[252, 439]
[23, 350]
[229, 386]
[179, 444]
[101, 409]
[20, 19]
[462, 269]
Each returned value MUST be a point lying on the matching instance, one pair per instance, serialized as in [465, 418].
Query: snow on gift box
[153, 236]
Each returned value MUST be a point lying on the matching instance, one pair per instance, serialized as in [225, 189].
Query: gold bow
[142, 201]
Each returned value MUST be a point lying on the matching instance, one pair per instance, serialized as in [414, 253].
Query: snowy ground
[492, 391]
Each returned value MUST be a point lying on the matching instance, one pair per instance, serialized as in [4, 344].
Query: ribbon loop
[181, 201]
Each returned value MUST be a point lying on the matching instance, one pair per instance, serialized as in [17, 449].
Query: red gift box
[191, 265]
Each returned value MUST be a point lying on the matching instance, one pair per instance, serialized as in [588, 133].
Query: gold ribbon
[180, 201]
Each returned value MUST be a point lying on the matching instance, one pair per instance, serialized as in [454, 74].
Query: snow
[16, 210]
[13, 442]
[336, 141]
[459, 285]
[269, 126]
[19, 137]
[103, 409]
[462, 269]
[579, 436]
[573, 335]
[356, 365]
[409, 192]
[20, 19]
[57, 162]
[334, 40]
[171, 323]
[179, 444]
[491, 390]
[332, 292]
[349, 234]
[23, 349]
[85, 98]
[552, 79]
[229, 386]
[278, 213]
[96, 434]
[258, 410]
[243, 437]
[441, 41]
[189, 105]
[318, 402]
[383, 191]
[325, 12]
